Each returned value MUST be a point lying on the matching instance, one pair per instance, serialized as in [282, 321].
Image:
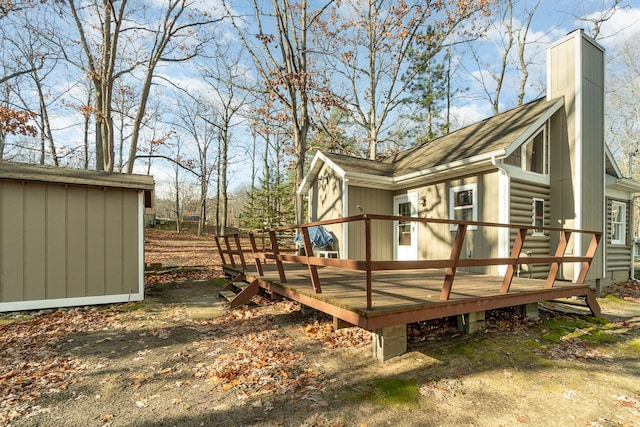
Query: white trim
[623, 222]
[474, 205]
[314, 169]
[412, 198]
[533, 216]
[141, 244]
[69, 302]
[516, 172]
[447, 167]
[345, 225]
[504, 215]
[533, 129]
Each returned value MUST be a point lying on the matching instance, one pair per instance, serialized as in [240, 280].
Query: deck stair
[239, 292]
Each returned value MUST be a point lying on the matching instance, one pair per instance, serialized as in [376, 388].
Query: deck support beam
[389, 342]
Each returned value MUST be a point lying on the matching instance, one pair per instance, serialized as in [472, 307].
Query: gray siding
[618, 256]
[434, 240]
[521, 211]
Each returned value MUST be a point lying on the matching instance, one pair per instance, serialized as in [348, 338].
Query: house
[70, 237]
[542, 164]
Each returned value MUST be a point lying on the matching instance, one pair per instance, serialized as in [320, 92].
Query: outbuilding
[70, 237]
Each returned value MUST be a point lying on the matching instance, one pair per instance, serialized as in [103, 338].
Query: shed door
[405, 232]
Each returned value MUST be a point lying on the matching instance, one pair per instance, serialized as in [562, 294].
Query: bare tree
[221, 74]
[282, 64]
[114, 45]
[369, 51]
[512, 34]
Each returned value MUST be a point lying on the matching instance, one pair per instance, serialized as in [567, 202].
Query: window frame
[473, 206]
[622, 223]
[530, 142]
[534, 216]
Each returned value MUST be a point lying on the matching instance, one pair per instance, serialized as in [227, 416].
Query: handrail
[450, 265]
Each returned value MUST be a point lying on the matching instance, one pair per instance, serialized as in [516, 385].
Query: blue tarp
[319, 236]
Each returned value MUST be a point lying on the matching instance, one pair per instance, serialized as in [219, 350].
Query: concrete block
[528, 310]
[471, 322]
[389, 342]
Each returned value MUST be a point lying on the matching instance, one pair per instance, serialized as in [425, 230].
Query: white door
[405, 233]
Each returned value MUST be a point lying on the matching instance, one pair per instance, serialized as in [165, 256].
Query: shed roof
[44, 173]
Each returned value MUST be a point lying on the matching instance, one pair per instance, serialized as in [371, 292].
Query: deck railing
[230, 246]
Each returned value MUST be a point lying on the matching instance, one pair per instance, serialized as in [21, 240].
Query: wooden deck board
[407, 295]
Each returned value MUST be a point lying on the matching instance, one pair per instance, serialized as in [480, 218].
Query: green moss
[600, 320]
[634, 345]
[611, 298]
[132, 306]
[396, 391]
[468, 347]
[558, 327]
[220, 281]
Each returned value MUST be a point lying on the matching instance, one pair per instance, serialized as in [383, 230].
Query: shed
[70, 237]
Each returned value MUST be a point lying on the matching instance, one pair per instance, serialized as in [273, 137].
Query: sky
[552, 20]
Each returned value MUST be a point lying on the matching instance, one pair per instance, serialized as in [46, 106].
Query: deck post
[389, 342]
[220, 251]
[456, 250]
[591, 252]
[313, 270]
[254, 248]
[236, 237]
[367, 245]
[276, 254]
[515, 253]
[229, 251]
[555, 266]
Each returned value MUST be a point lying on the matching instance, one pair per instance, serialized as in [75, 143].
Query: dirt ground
[180, 358]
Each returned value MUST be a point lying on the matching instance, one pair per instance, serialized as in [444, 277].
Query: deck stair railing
[230, 246]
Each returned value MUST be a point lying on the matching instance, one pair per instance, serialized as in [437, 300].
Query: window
[618, 223]
[534, 154]
[404, 227]
[538, 216]
[463, 204]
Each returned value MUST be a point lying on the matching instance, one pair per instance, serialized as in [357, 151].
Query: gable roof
[493, 137]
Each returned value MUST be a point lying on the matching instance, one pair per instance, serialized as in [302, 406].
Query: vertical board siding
[56, 242]
[77, 254]
[12, 242]
[96, 236]
[65, 241]
[618, 256]
[373, 201]
[34, 260]
[327, 203]
[130, 249]
[113, 223]
[521, 212]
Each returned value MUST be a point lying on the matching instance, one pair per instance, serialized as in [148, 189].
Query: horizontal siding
[618, 256]
[521, 211]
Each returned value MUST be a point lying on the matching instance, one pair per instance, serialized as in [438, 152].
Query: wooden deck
[377, 294]
[400, 297]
